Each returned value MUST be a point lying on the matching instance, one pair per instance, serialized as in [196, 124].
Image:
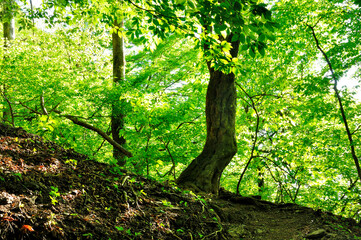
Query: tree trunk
[9, 35]
[8, 22]
[204, 172]
[117, 119]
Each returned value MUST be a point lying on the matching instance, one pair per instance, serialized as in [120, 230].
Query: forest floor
[48, 192]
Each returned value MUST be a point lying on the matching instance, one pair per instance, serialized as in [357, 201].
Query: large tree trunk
[9, 35]
[204, 173]
[117, 119]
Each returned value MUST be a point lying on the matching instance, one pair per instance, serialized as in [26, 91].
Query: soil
[48, 192]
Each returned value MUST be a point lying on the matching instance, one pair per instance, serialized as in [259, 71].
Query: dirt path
[249, 218]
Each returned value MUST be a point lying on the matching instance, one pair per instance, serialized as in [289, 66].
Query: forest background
[292, 142]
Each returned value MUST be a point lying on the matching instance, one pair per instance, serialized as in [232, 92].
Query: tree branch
[10, 109]
[255, 139]
[349, 134]
[84, 124]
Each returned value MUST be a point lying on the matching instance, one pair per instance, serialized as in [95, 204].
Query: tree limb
[84, 124]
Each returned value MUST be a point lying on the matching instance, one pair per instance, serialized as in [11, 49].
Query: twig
[190, 122]
[358, 127]
[32, 110]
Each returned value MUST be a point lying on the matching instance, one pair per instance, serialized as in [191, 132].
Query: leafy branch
[76, 120]
[103, 134]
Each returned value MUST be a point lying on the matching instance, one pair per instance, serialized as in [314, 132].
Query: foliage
[301, 153]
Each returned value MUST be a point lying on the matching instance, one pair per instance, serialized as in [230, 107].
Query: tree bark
[9, 35]
[204, 172]
[117, 117]
[8, 22]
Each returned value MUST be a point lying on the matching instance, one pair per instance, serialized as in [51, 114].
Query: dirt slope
[47, 192]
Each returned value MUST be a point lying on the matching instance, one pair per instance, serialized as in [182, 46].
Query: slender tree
[9, 35]
[117, 117]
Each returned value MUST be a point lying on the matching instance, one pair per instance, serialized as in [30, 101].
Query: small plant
[119, 228]
[72, 162]
[88, 235]
[51, 223]
[18, 175]
[166, 203]
[116, 170]
[54, 194]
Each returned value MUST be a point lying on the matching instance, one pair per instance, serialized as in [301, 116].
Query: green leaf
[242, 38]
[269, 27]
[272, 37]
[237, 6]
[234, 37]
[261, 50]
[245, 47]
[251, 52]
[261, 37]
[191, 4]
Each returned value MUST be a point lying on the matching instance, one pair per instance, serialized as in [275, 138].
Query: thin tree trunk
[205, 171]
[117, 119]
[9, 35]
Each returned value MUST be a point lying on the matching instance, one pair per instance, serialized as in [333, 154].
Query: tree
[117, 116]
[205, 171]
[113, 20]
[223, 30]
[8, 21]
[8, 7]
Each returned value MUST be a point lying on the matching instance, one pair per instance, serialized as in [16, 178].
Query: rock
[316, 234]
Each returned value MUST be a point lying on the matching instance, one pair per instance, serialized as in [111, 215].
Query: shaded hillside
[48, 192]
